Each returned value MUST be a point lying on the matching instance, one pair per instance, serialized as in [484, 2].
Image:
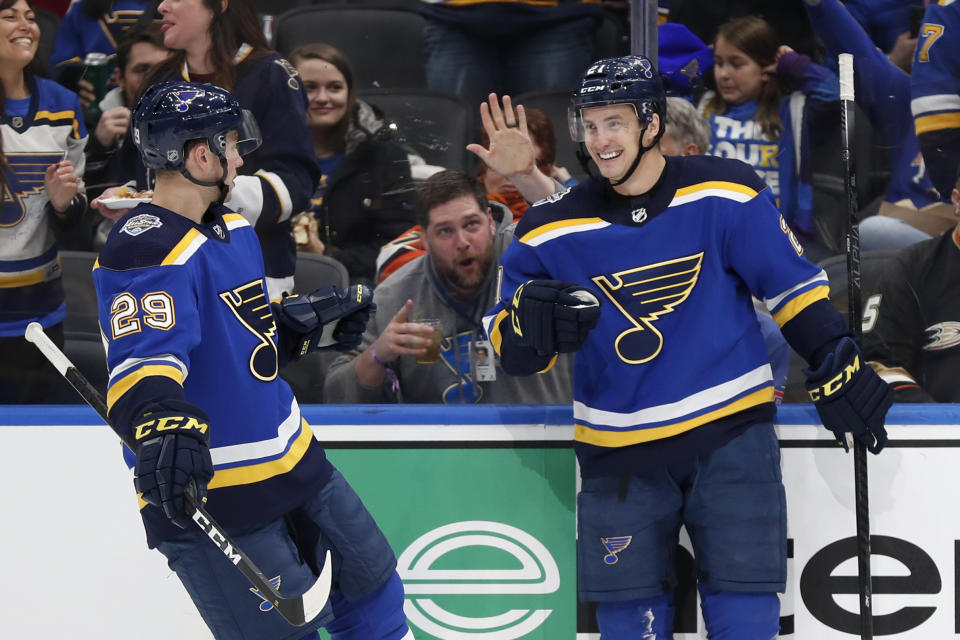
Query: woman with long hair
[220, 42]
[756, 118]
[41, 161]
[365, 195]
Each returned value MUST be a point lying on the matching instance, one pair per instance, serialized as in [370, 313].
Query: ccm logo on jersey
[836, 382]
[169, 423]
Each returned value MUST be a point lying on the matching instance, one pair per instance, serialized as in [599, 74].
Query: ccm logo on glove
[834, 384]
[169, 423]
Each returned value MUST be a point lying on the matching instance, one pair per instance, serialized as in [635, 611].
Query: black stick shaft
[860, 476]
[297, 611]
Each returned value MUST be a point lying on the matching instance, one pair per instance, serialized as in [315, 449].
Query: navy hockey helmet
[624, 80]
[170, 114]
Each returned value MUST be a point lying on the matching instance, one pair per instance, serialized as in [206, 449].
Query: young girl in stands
[365, 195]
[221, 43]
[754, 117]
[41, 161]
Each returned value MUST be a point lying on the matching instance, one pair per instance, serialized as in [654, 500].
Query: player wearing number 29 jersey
[183, 310]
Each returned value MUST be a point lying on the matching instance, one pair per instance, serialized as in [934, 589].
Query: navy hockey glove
[173, 457]
[850, 397]
[553, 316]
[330, 318]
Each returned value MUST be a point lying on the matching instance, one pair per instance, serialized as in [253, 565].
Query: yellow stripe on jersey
[720, 188]
[36, 276]
[123, 385]
[562, 227]
[925, 124]
[235, 219]
[801, 302]
[265, 470]
[601, 438]
[56, 115]
[496, 338]
[550, 364]
[182, 248]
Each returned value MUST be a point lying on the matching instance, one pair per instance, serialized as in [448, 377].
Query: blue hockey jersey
[678, 345]
[79, 34]
[883, 91]
[935, 92]
[184, 314]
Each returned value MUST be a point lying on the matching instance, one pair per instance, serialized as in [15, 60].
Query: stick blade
[299, 611]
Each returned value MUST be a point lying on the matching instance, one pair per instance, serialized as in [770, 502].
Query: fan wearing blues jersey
[647, 274]
[194, 346]
[42, 137]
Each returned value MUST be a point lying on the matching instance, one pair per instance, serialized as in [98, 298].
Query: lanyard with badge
[481, 351]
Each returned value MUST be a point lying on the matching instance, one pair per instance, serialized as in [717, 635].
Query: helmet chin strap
[636, 161]
[220, 184]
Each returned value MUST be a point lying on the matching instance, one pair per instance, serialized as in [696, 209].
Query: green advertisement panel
[485, 537]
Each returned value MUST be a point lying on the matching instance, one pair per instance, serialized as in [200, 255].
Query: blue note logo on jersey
[141, 224]
[249, 303]
[266, 605]
[614, 546]
[24, 178]
[115, 24]
[455, 354]
[643, 294]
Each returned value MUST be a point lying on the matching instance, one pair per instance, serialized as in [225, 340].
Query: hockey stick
[297, 611]
[861, 489]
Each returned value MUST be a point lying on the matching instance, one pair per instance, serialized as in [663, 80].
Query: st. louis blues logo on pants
[614, 546]
[643, 294]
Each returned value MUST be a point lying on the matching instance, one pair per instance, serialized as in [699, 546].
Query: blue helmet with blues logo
[624, 80]
[170, 114]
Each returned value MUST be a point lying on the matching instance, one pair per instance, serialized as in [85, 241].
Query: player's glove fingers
[182, 463]
[349, 331]
[144, 471]
[850, 397]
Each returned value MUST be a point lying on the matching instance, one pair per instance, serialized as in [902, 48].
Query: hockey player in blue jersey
[673, 393]
[193, 348]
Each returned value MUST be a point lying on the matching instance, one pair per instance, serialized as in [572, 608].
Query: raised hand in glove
[553, 316]
[330, 318]
[173, 457]
[850, 397]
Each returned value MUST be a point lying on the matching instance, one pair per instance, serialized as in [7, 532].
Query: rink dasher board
[912, 499]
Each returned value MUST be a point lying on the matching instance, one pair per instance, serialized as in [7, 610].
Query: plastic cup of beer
[432, 353]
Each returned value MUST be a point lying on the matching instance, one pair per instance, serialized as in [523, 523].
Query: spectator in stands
[91, 26]
[935, 93]
[785, 16]
[41, 153]
[914, 343]
[139, 51]
[755, 119]
[473, 46]
[887, 24]
[535, 144]
[687, 132]
[454, 282]
[365, 194]
[910, 212]
[223, 44]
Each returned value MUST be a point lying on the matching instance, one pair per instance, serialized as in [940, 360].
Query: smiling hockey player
[673, 393]
[194, 347]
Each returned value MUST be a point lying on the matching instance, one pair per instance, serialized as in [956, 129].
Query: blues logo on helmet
[625, 80]
[172, 113]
